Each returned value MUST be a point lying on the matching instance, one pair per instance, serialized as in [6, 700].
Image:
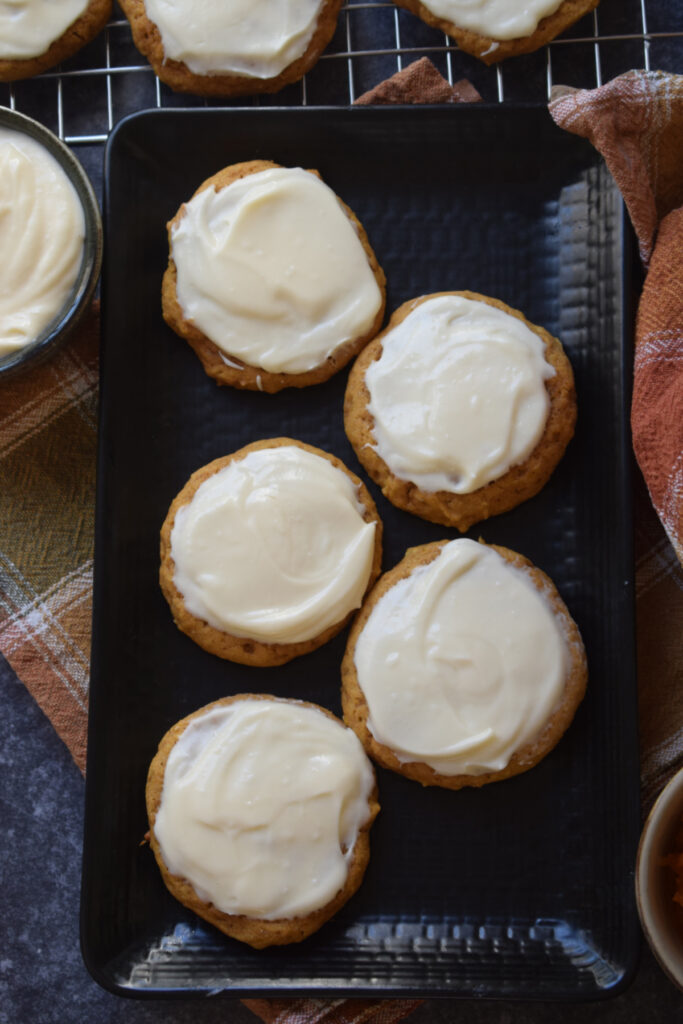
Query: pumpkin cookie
[231, 48]
[266, 553]
[38, 34]
[271, 278]
[463, 667]
[496, 29]
[460, 409]
[259, 812]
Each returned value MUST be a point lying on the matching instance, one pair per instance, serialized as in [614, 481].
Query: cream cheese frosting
[461, 662]
[255, 38]
[496, 19]
[458, 394]
[261, 806]
[273, 547]
[29, 27]
[272, 270]
[42, 230]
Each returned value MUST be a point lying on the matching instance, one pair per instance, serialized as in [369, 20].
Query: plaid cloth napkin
[48, 446]
[636, 122]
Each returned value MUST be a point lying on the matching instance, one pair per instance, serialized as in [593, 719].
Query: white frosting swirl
[273, 547]
[462, 662]
[458, 394]
[496, 19]
[272, 270]
[29, 27]
[42, 228]
[255, 38]
[261, 806]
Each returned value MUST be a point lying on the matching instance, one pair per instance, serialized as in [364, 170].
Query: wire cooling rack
[83, 99]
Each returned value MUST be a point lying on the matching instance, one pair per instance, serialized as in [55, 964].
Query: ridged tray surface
[523, 888]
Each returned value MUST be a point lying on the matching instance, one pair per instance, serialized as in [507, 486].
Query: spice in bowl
[674, 860]
[659, 879]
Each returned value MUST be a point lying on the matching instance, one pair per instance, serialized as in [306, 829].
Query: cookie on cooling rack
[231, 48]
[266, 553]
[495, 29]
[463, 667]
[259, 811]
[37, 34]
[271, 278]
[461, 408]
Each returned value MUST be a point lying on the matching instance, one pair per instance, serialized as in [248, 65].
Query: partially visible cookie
[266, 553]
[231, 48]
[259, 812]
[463, 666]
[461, 408]
[496, 29]
[271, 278]
[37, 34]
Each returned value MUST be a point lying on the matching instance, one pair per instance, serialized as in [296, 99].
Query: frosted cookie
[37, 34]
[42, 233]
[463, 666]
[460, 409]
[234, 47]
[259, 813]
[271, 278]
[266, 553]
[495, 29]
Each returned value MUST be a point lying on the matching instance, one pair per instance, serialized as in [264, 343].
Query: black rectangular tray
[521, 889]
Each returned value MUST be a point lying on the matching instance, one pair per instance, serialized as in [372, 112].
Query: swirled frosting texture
[29, 27]
[496, 19]
[261, 806]
[255, 38]
[272, 270]
[458, 394]
[42, 229]
[461, 663]
[273, 547]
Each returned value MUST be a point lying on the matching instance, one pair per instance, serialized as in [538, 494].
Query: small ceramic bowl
[81, 293]
[661, 918]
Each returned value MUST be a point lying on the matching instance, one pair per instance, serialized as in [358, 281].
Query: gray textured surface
[42, 977]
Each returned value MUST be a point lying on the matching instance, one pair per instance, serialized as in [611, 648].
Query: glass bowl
[660, 916]
[78, 299]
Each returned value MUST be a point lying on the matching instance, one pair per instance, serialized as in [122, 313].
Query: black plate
[523, 888]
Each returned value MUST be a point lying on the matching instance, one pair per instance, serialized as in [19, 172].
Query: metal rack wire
[83, 99]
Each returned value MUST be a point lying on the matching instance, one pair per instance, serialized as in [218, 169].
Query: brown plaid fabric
[636, 122]
[331, 1011]
[48, 437]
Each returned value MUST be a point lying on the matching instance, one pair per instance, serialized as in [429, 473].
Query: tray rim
[625, 350]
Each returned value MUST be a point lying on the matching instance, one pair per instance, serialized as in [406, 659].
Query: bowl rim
[78, 300]
[667, 803]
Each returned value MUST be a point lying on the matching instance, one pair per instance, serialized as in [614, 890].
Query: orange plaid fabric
[48, 438]
[636, 122]
[331, 1011]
